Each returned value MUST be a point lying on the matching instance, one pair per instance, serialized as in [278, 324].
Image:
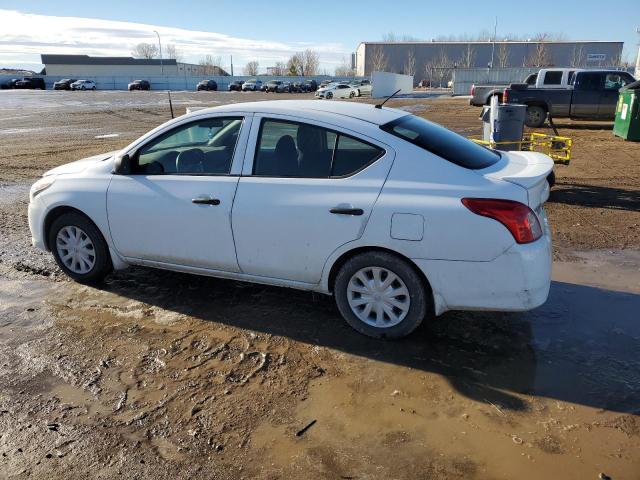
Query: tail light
[473, 90]
[505, 96]
[519, 219]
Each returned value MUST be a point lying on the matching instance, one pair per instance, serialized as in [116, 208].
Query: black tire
[93, 88]
[551, 178]
[352, 94]
[535, 117]
[419, 294]
[102, 265]
[83, 87]
[329, 96]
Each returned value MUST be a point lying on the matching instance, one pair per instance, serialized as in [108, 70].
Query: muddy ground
[163, 375]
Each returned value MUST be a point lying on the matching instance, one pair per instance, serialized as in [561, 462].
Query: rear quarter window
[442, 142]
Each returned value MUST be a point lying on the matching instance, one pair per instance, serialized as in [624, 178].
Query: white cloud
[25, 36]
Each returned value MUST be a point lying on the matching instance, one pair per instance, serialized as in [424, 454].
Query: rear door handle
[206, 201]
[347, 211]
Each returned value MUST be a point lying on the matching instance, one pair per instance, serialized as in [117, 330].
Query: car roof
[361, 111]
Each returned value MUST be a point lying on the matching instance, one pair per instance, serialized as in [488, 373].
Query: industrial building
[418, 57]
[79, 66]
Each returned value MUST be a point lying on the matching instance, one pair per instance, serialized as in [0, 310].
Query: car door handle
[206, 201]
[347, 211]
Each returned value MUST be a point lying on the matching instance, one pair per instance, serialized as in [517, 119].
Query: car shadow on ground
[595, 196]
[583, 346]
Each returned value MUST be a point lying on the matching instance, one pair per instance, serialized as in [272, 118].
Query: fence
[463, 78]
[173, 82]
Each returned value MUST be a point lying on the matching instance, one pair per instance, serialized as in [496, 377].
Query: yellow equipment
[558, 148]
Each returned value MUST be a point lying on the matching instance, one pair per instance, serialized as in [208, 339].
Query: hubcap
[378, 297]
[75, 249]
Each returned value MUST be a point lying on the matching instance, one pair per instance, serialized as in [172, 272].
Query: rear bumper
[517, 280]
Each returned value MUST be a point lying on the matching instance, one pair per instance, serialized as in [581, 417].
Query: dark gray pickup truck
[593, 97]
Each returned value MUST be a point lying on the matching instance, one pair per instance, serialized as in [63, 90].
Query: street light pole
[160, 45]
[493, 45]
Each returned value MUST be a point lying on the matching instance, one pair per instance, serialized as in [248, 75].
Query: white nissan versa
[397, 217]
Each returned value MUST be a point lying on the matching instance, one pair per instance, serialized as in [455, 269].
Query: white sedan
[397, 217]
[337, 90]
[83, 85]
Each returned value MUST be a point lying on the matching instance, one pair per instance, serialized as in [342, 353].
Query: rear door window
[553, 78]
[292, 149]
[442, 142]
[590, 81]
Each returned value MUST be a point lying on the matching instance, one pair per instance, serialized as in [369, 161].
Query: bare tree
[410, 63]
[145, 50]
[468, 57]
[439, 69]
[577, 56]
[310, 62]
[378, 59]
[344, 69]
[210, 65]
[503, 55]
[173, 52]
[540, 56]
[251, 68]
[295, 65]
[279, 69]
[303, 63]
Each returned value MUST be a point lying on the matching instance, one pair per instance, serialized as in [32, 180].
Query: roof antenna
[170, 104]
[388, 98]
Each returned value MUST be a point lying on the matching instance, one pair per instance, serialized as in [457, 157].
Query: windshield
[442, 142]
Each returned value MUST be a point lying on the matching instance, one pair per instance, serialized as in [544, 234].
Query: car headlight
[41, 185]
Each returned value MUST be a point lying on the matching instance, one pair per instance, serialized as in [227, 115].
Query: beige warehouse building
[79, 66]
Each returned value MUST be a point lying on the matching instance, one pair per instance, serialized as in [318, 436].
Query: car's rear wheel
[83, 88]
[381, 295]
[79, 248]
[352, 94]
[535, 116]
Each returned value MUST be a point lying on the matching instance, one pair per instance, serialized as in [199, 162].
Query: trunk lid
[529, 170]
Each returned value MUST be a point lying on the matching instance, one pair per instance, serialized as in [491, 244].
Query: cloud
[88, 36]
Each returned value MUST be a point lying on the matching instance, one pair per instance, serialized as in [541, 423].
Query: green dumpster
[627, 123]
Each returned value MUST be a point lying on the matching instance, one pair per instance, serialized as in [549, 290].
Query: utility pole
[231, 64]
[160, 45]
[493, 44]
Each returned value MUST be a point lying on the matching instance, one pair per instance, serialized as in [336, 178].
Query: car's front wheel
[329, 96]
[79, 248]
[381, 295]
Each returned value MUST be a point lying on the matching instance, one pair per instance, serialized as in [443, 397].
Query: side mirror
[122, 165]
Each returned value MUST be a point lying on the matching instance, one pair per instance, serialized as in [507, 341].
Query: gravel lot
[163, 375]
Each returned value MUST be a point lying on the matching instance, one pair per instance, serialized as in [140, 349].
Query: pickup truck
[593, 96]
[545, 78]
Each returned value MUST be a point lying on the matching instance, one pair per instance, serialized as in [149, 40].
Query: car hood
[80, 165]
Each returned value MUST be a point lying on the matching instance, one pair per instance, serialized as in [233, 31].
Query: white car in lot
[362, 87]
[336, 90]
[397, 217]
[83, 85]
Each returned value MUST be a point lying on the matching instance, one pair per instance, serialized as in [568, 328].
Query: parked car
[9, 84]
[593, 96]
[208, 85]
[545, 78]
[252, 85]
[363, 87]
[236, 86]
[324, 83]
[278, 86]
[311, 85]
[336, 90]
[398, 218]
[83, 85]
[30, 83]
[139, 85]
[298, 87]
[64, 84]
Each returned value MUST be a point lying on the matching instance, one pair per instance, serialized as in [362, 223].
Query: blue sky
[270, 30]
